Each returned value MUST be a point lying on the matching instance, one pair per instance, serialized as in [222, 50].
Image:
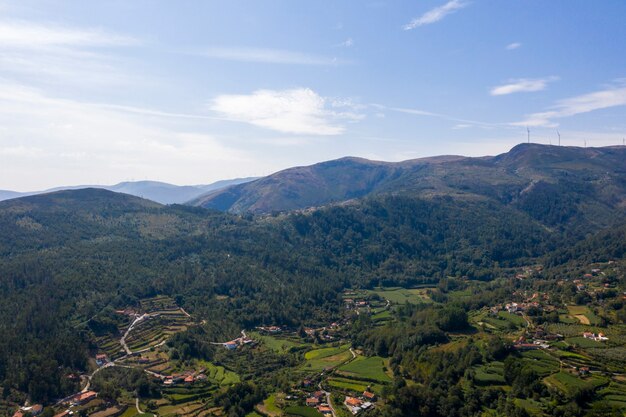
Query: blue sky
[191, 92]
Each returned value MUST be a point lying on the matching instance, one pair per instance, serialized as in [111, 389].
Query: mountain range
[160, 192]
[552, 184]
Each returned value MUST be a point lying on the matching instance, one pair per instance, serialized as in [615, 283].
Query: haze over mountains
[160, 192]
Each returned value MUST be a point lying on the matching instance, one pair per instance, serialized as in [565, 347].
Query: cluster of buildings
[317, 400]
[356, 405]
[351, 303]
[600, 337]
[33, 410]
[539, 339]
[187, 377]
[270, 329]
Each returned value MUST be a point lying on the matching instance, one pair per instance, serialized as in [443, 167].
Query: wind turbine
[558, 133]
[528, 132]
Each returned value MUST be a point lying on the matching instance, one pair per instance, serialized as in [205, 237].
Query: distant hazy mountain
[552, 184]
[160, 192]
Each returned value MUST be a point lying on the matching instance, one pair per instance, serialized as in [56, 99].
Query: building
[101, 359]
[312, 402]
[84, 397]
[369, 396]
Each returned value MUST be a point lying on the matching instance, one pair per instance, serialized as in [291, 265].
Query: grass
[490, 374]
[371, 368]
[583, 314]
[540, 362]
[398, 295]
[353, 385]
[279, 345]
[130, 412]
[512, 318]
[302, 411]
[583, 342]
[219, 374]
[331, 361]
[324, 352]
[569, 384]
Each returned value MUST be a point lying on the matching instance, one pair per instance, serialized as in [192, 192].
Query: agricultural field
[278, 344]
[355, 386]
[540, 362]
[302, 411]
[320, 359]
[402, 295]
[569, 384]
[583, 314]
[490, 374]
[367, 368]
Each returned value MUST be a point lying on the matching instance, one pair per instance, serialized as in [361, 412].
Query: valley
[495, 300]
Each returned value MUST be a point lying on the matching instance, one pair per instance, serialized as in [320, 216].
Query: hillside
[160, 192]
[590, 183]
[452, 235]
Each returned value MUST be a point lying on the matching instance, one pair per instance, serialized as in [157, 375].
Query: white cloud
[29, 35]
[513, 46]
[597, 100]
[47, 52]
[269, 56]
[299, 111]
[522, 85]
[435, 14]
[346, 44]
[79, 142]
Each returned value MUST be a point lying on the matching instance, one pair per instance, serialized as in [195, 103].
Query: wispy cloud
[29, 35]
[44, 52]
[461, 123]
[522, 85]
[602, 99]
[299, 111]
[268, 56]
[435, 14]
[346, 44]
[80, 141]
[513, 46]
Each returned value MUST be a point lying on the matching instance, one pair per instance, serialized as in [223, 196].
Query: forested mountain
[555, 185]
[160, 192]
[68, 259]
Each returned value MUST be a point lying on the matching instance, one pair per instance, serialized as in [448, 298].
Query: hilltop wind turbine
[558, 133]
[528, 133]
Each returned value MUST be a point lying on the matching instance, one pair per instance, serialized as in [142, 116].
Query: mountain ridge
[512, 177]
[161, 192]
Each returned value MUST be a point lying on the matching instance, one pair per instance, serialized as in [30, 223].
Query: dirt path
[123, 339]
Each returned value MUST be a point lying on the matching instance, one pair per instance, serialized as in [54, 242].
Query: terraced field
[367, 369]
[320, 359]
[569, 384]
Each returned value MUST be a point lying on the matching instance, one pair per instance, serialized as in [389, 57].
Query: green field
[277, 344]
[303, 411]
[219, 374]
[540, 362]
[325, 352]
[583, 342]
[353, 385]
[371, 368]
[320, 359]
[569, 384]
[490, 374]
[399, 295]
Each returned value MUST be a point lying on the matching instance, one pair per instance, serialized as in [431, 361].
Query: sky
[195, 91]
